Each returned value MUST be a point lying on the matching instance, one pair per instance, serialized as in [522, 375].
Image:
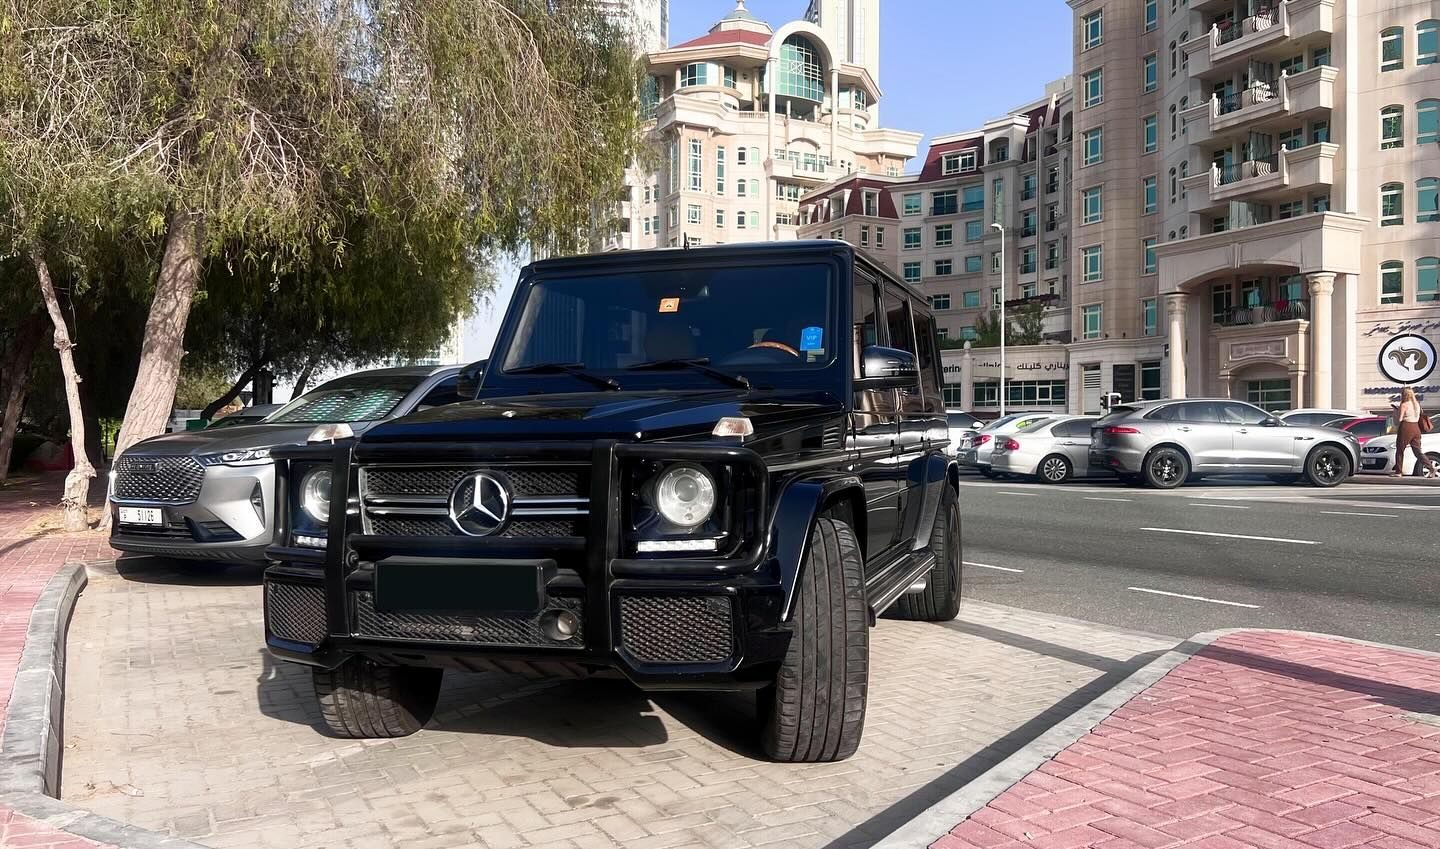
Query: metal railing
[1238, 171]
[1263, 313]
[1026, 232]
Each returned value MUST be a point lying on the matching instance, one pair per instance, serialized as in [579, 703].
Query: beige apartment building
[738, 152]
[1255, 198]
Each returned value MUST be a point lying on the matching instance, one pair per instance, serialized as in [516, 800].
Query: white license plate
[142, 516]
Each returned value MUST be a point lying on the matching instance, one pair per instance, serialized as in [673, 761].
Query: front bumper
[228, 520]
[681, 623]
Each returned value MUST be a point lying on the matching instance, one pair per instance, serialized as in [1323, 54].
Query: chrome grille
[499, 630]
[172, 480]
[676, 629]
[546, 500]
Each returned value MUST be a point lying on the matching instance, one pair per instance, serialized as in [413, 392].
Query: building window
[1027, 224]
[837, 235]
[1427, 200]
[719, 170]
[720, 219]
[944, 203]
[1028, 290]
[694, 166]
[1091, 316]
[799, 73]
[974, 264]
[1392, 49]
[740, 220]
[1319, 132]
[974, 199]
[1392, 204]
[968, 332]
[912, 272]
[879, 237]
[1320, 57]
[1291, 209]
[740, 187]
[1093, 146]
[1427, 42]
[1094, 87]
[692, 213]
[1152, 15]
[1292, 139]
[1320, 203]
[940, 302]
[1150, 190]
[944, 235]
[1092, 264]
[911, 238]
[1174, 124]
[740, 156]
[1272, 395]
[1052, 256]
[944, 267]
[1027, 186]
[693, 74]
[870, 203]
[1392, 282]
[1427, 122]
[971, 299]
[1427, 278]
[1392, 127]
[910, 204]
[1091, 205]
[1093, 27]
[1150, 381]
[959, 162]
[864, 235]
[1052, 179]
[1147, 246]
[646, 225]
[1151, 67]
[974, 231]
[1150, 126]
[1150, 314]
[995, 291]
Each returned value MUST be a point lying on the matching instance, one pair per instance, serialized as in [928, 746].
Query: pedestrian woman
[1408, 419]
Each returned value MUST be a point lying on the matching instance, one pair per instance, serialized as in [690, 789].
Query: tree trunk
[75, 499]
[153, 396]
[303, 380]
[234, 391]
[17, 380]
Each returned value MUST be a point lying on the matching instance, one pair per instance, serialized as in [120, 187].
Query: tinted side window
[1074, 428]
[927, 358]
[1167, 413]
[446, 391]
[864, 328]
[1243, 414]
[1198, 411]
[897, 321]
[1374, 428]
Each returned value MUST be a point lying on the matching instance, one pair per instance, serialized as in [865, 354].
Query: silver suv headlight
[247, 457]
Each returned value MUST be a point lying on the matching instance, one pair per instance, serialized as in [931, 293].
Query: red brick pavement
[1263, 739]
[32, 549]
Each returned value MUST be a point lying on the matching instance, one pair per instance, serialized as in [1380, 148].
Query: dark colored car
[247, 416]
[708, 469]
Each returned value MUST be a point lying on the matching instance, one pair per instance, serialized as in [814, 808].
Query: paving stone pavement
[176, 719]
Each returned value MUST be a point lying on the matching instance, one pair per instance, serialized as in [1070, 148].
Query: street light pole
[1003, 258]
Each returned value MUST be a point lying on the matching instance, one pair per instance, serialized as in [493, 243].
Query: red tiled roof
[727, 36]
[1034, 117]
[931, 171]
[856, 202]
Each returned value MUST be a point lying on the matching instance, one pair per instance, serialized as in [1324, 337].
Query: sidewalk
[32, 548]
[1262, 739]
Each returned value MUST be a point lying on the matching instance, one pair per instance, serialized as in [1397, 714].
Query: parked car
[246, 416]
[1053, 450]
[660, 479]
[961, 424]
[975, 450]
[1315, 416]
[1164, 443]
[1377, 456]
[1363, 428]
[207, 494]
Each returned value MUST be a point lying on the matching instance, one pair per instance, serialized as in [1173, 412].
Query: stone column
[1322, 286]
[1175, 309]
[834, 110]
[967, 380]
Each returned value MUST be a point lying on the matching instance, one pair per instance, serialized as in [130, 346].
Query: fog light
[306, 541]
[652, 546]
[559, 625]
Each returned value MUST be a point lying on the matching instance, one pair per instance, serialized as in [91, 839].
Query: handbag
[1425, 424]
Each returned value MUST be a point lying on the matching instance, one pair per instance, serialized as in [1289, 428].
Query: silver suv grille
[172, 480]
[546, 501]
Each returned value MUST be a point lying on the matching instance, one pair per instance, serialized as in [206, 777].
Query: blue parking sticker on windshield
[812, 339]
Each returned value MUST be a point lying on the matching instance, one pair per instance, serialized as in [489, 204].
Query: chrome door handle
[1185, 429]
[1242, 430]
[1304, 438]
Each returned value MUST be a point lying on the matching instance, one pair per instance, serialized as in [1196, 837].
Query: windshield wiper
[572, 369]
[700, 364]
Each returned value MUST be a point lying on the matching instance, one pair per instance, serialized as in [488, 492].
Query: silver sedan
[1053, 450]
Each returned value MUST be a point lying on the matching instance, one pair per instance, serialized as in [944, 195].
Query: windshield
[775, 317]
[358, 398]
[234, 420]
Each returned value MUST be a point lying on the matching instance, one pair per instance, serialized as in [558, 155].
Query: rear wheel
[815, 710]
[1166, 468]
[1434, 461]
[986, 471]
[940, 600]
[1054, 469]
[1327, 466]
[362, 699]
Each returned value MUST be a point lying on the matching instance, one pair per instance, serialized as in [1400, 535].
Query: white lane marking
[1356, 513]
[988, 566]
[1127, 500]
[1026, 494]
[1195, 598]
[1230, 536]
[1220, 506]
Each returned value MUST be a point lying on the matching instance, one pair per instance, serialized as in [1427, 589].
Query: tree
[1024, 327]
[21, 328]
[255, 133]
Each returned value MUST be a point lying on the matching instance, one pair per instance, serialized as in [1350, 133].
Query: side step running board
[897, 585]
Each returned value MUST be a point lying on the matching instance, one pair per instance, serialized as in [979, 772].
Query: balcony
[1262, 313]
[973, 206]
[1027, 231]
[1027, 268]
[1298, 169]
[1052, 263]
[1264, 105]
[1237, 43]
[807, 173]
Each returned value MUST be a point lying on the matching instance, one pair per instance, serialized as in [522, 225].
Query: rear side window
[927, 360]
[1375, 427]
[1074, 427]
[1242, 414]
[897, 320]
[1308, 418]
[1198, 411]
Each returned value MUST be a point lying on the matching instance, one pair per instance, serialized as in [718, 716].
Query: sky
[945, 66]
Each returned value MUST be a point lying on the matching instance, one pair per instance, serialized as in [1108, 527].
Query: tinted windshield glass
[350, 399]
[757, 318]
[234, 420]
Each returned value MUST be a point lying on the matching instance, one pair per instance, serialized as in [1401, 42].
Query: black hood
[620, 415]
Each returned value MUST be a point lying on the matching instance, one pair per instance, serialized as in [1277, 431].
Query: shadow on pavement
[1395, 695]
[146, 569]
[1115, 671]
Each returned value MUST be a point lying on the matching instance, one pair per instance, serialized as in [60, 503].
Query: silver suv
[1165, 443]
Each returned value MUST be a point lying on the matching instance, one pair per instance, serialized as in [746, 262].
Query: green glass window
[1091, 313]
[912, 238]
[1427, 200]
[1152, 73]
[1092, 264]
[1427, 42]
[1151, 190]
[1094, 87]
[1427, 122]
[971, 299]
[973, 264]
[1427, 278]
[974, 231]
[1152, 14]
[1151, 316]
[694, 74]
[974, 199]
[1092, 205]
[1392, 127]
[1152, 133]
[1093, 28]
[799, 73]
[1392, 282]
[1094, 146]
[910, 205]
[912, 272]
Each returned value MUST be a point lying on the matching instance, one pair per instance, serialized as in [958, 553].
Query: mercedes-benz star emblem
[480, 503]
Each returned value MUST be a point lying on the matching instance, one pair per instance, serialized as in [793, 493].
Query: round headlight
[315, 495]
[685, 495]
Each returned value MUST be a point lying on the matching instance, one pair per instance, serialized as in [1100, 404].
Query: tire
[363, 699]
[815, 710]
[1165, 468]
[940, 600]
[1420, 471]
[1327, 466]
[1054, 469]
[985, 470]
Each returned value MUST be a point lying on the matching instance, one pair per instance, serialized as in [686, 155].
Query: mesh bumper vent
[295, 612]
[523, 630]
[677, 629]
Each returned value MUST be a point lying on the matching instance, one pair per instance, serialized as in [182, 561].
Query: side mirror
[468, 385]
[1272, 422]
[887, 368]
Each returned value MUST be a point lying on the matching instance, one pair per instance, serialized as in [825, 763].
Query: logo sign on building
[1407, 358]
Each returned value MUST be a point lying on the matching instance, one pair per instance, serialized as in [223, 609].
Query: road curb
[33, 743]
[936, 821]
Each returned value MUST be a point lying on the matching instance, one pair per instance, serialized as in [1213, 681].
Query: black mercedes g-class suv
[707, 469]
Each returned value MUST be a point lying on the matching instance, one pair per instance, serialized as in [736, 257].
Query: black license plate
[474, 586]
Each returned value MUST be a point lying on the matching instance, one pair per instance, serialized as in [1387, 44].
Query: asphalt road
[1361, 560]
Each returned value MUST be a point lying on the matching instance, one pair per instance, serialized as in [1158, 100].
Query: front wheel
[363, 699]
[1327, 466]
[815, 710]
[1166, 468]
[940, 600]
[1055, 469]
[1421, 471]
